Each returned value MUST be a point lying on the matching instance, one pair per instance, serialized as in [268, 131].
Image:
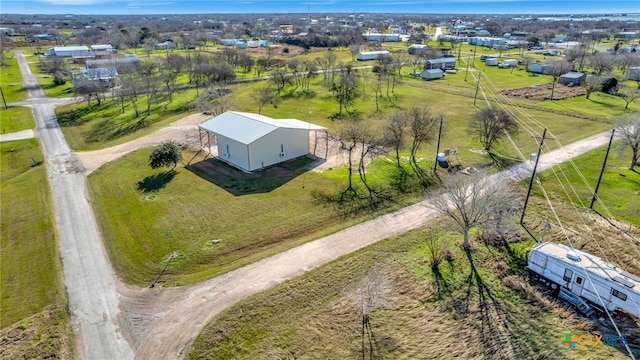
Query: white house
[103, 49]
[372, 55]
[68, 51]
[251, 141]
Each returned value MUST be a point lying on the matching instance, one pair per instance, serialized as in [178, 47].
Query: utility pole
[604, 164]
[435, 163]
[467, 72]
[475, 97]
[533, 175]
[4, 101]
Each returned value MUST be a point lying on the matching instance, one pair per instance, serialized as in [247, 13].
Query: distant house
[229, 42]
[382, 37]
[572, 78]
[413, 48]
[167, 44]
[539, 68]
[432, 74]
[372, 55]
[443, 63]
[627, 35]
[633, 73]
[7, 31]
[99, 74]
[251, 141]
[102, 49]
[68, 51]
[124, 65]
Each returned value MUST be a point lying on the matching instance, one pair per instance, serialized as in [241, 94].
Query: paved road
[89, 278]
[16, 135]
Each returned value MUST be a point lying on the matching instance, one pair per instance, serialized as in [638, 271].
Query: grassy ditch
[34, 321]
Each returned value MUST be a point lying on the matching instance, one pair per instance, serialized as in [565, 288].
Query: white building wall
[266, 150]
[237, 152]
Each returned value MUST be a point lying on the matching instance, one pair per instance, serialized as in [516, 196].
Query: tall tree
[490, 124]
[557, 69]
[474, 202]
[345, 88]
[422, 125]
[395, 131]
[629, 135]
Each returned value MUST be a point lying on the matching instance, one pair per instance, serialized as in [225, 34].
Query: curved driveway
[163, 323]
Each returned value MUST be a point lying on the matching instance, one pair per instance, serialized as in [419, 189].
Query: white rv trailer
[585, 275]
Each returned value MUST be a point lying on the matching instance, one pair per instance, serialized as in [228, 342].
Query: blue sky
[283, 6]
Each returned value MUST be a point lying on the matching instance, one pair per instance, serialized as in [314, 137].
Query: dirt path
[183, 131]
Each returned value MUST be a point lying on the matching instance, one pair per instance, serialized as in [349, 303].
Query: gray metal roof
[70, 48]
[441, 61]
[247, 127]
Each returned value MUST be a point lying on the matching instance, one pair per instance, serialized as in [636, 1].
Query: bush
[166, 154]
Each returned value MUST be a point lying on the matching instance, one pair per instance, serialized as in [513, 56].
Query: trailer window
[578, 280]
[619, 294]
[568, 274]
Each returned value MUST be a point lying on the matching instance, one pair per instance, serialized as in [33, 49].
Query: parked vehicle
[566, 269]
[537, 47]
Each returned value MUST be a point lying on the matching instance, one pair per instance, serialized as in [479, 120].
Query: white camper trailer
[585, 275]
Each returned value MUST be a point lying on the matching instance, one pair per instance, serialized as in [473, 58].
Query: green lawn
[476, 307]
[619, 191]
[30, 259]
[46, 81]
[16, 119]
[11, 81]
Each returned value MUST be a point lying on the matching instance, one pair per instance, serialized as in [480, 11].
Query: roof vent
[573, 256]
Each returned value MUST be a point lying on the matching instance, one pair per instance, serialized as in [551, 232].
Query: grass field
[16, 119]
[11, 81]
[32, 291]
[474, 307]
[619, 191]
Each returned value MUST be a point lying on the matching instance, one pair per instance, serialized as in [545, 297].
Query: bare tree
[395, 131]
[629, 134]
[490, 124]
[264, 95]
[345, 88]
[628, 95]
[56, 67]
[353, 50]
[601, 63]
[557, 69]
[375, 290]
[326, 63]
[421, 128]
[371, 145]
[473, 202]
[592, 83]
[88, 89]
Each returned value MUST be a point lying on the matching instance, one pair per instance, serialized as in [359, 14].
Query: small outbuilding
[572, 78]
[633, 73]
[432, 74]
[251, 141]
[539, 68]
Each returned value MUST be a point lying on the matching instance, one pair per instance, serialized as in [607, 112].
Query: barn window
[568, 274]
[578, 280]
[619, 294]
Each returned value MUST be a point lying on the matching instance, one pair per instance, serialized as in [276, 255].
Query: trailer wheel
[554, 286]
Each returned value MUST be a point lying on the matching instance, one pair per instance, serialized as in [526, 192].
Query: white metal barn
[251, 141]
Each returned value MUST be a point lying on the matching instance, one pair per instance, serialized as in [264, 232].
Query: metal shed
[572, 78]
[251, 141]
[432, 74]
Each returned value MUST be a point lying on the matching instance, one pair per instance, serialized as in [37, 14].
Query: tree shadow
[441, 283]
[110, 130]
[156, 182]
[501, 336]
[238, 182]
